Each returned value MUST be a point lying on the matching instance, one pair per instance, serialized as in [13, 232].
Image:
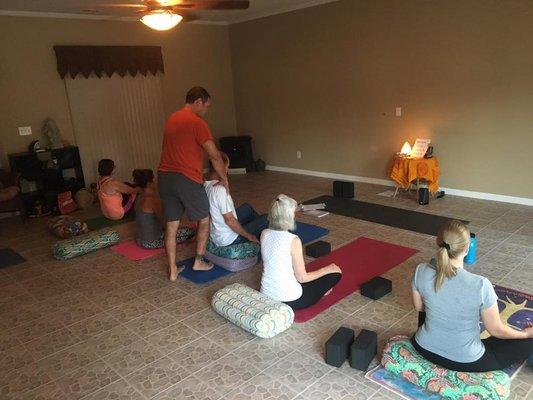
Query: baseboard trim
[385, 182]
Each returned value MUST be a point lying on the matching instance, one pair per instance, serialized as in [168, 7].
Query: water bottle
[471, 255]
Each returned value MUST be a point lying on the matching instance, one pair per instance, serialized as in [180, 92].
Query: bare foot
[173, 273]
[328, 292]
[201, 265]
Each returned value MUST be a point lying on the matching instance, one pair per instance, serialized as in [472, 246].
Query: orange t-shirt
[185, 133]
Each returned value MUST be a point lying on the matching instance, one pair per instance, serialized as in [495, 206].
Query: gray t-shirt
[453, 313]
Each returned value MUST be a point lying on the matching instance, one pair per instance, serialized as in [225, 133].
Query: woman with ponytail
[455, 301]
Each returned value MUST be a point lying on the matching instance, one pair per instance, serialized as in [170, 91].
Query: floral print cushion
[239, 251]
[400, 358]
[252, 310]
[92, 241]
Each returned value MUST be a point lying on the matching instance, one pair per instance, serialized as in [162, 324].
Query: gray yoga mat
[9, 257]
[391, 216]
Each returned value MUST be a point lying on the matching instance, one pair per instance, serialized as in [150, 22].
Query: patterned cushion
[66, 226]
[400, 358]
[252, 310]
[92, 241]
[239, 251]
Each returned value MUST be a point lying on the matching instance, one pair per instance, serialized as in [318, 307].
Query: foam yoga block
[318, 249]
[343, 189]
[235, 257]
[252, 310]
[77, 246]
[363, 350]
[400, 358]
[338, 346]
[376, 288]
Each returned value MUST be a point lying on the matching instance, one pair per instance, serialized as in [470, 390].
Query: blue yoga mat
[201, 276]
[306, 232]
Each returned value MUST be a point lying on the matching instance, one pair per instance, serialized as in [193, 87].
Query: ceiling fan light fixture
[161, 20]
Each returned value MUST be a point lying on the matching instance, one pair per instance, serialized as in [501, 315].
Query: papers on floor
[387, 193]
[316, 210]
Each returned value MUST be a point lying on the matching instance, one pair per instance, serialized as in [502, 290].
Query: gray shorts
[180, 194]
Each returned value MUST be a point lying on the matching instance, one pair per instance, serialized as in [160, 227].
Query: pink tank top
[111, 204]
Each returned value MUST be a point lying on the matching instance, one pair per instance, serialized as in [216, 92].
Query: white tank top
[278, 281]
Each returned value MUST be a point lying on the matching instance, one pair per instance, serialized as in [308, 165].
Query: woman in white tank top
[284, 276]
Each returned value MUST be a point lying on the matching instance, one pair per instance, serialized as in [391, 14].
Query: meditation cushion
[78, 246]
[66, 226]
[234, 257]
[400, 358]
[252, 310]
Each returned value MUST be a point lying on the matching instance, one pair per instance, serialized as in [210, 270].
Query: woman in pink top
[116, 198]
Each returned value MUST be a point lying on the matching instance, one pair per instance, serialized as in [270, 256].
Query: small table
[405, 170]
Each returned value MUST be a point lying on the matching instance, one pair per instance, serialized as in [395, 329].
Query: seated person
[230, 225]
[284, 275]
[149, 214]
[454, 300]
[116, 198]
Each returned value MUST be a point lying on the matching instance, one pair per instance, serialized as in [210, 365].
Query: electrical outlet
[398, 111]
[298, 154]
[24, 130]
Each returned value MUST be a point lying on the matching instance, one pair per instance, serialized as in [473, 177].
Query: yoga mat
[391, 216]
[134, 252]
[9, 257]
[516, 310]
[200, 277]
[360, 261]
[306, 232]
[309, 233]
[103, 222]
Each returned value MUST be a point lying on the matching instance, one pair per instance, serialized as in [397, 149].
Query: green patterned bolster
[239, 251]
[252, 310]
[77, 246]
[401, 358]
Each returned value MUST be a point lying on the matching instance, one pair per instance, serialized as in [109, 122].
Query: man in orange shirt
[180, 174]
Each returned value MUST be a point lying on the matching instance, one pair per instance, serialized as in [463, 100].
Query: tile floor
[103, 327]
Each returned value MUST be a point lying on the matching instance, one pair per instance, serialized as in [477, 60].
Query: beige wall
[31, 89]
[326, 81]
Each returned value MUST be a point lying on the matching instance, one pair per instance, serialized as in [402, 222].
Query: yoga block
[376, 288]
[421, 318]
[343, 189]
[364, 349]
[318, 249]
[338, 346]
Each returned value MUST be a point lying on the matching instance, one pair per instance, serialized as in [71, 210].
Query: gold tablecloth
[406, 170]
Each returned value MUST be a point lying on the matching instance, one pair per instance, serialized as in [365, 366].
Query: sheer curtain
[117, 118]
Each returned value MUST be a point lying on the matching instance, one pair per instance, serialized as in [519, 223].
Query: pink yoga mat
[137, 253]
[360, 261]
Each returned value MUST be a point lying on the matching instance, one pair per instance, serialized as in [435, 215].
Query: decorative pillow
[401, 358]
[78, 246]
[252, 310]
[66, 226]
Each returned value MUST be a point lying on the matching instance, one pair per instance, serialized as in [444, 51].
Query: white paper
[420, 147]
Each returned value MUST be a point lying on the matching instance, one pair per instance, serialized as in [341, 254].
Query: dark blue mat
[306, 232]
[9, 257]
[309, 233]
[201, 276]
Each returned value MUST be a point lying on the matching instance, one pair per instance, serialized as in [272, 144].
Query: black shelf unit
[52, 172]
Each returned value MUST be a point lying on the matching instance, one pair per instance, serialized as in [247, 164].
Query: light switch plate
[24, 130]
[398, 111]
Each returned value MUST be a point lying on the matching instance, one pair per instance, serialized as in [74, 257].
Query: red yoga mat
[360, 261]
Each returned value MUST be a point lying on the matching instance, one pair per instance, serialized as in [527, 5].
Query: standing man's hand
[224, 182]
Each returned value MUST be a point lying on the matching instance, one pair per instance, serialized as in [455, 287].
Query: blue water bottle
[471, 256]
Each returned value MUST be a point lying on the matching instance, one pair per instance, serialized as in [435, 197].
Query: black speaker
[239, 151]
[423, 196]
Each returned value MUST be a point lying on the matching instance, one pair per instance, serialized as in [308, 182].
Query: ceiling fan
[163, 15]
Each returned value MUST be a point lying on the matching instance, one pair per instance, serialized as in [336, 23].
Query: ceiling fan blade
[208, 4]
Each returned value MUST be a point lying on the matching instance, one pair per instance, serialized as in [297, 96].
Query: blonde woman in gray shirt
[455, 301]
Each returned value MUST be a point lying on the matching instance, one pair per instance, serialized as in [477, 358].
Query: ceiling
[90, 9]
